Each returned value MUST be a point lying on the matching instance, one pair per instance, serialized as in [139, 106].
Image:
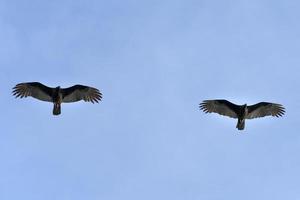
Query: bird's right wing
[81, 92]
[34, 89]
[220, 106]
[263, 109]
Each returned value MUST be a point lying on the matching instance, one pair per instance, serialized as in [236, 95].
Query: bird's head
[57, 94]
[57, 90]
[245, 107]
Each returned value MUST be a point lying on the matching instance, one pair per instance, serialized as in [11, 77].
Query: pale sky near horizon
[154, 62]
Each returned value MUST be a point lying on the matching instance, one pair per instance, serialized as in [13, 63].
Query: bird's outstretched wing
[263, 109]
[33, 89]
[220, 106]
[81, 92]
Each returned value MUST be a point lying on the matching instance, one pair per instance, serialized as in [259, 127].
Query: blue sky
[154, 62]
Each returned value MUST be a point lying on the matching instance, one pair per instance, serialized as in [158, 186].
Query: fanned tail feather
[56, 109]
[240, 124]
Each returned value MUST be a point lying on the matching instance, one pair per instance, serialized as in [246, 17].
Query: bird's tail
[56, 109]
[240, 124]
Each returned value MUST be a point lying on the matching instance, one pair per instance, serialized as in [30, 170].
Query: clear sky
[154, 61]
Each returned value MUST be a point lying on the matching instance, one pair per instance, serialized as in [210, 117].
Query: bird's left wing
[34, 89]
[263, 109]
[220, 106]
[81, 92]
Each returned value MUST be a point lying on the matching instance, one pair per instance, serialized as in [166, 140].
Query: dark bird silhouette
[242, 112]
[57, 95]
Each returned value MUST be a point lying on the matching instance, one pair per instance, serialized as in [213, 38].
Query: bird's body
[57, 99]
[242, 112]
[57, 95]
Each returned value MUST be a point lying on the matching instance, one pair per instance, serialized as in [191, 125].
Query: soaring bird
[57, 95]
[242, 112]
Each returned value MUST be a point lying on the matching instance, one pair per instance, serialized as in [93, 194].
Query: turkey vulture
[57, 95]
[242, 112]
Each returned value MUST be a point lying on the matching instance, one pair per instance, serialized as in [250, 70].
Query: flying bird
[57, 95]
[242, 112]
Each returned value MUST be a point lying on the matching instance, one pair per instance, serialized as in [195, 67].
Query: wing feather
[33, 89]
[81, 92]
[220, 106]
[263, 109]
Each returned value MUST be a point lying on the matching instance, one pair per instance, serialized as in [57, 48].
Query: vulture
[57, 95]
[242, 112]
